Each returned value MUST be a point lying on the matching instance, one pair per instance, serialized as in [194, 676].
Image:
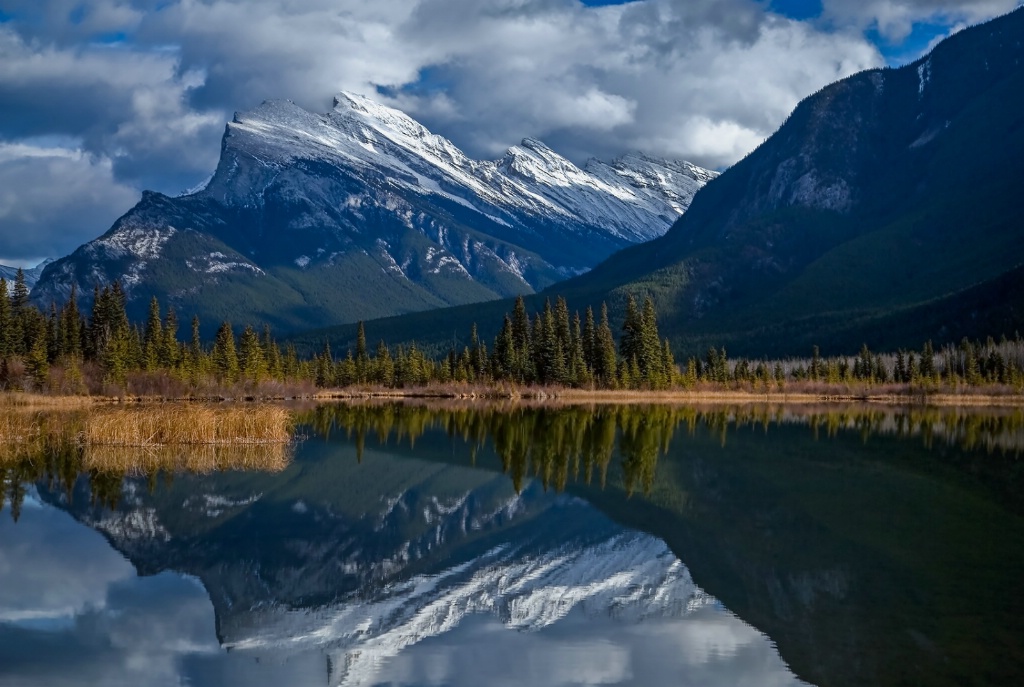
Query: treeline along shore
[66, 352]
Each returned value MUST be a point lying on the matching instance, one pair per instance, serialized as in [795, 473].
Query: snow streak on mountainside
[634, 198]
[362, 212]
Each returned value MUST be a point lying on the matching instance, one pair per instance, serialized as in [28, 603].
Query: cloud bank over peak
[142, 88]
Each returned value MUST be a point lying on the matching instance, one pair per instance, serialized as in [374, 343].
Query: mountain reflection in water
[402, 545]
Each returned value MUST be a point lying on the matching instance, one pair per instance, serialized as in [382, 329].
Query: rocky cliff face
[362, 212]
[880, 194]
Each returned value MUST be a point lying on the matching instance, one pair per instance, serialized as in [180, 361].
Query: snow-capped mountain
[32, 274]
[362, 212]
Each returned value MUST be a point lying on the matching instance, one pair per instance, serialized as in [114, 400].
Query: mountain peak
[367, 199]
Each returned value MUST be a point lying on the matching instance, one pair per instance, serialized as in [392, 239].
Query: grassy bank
[147, 426]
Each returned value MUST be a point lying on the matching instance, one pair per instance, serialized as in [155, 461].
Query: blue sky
[104, 98]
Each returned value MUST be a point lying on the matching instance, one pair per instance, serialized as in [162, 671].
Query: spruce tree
[20, 329]
[926, 366]
[169, 349]
[196, 358]
[521, 340]
[632, 326]
[71, 328]
[225, 358]
[153, 338]
[385, 366]
[590, 340]
[6, 321]
[54, 336]
[649, 352]
[37, 362]
[272, 353]
[605, 354]
[252, 364]
[503, 361]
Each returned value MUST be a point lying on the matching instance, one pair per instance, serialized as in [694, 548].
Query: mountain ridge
[361, 212]
[882, 196]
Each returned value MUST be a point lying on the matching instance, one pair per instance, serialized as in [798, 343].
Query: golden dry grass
[188, 424]
[201, 458]
[155, 425]
[10, 399]
[141, 439]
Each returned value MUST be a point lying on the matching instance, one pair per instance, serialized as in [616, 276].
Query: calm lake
[542, 546]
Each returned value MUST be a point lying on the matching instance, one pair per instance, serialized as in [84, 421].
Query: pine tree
[54, 336]
[170, 351]
[325, 369]
[711, 365]
[195, 358]
[6, 321]
[563, 330]
[926, 366]
[578, 372]
[71, 327]
[225, 359]
[153, 336]
[385, 366]
[649, 353]
[20, 329]
[115, 358]
[362, 354]
[590, 340]
[605, 354]
[252, 364]
[630, 342]
[521, 340]
[37, 362]
[503, 362]
[275, 363]
[668, 363]
[538, 351]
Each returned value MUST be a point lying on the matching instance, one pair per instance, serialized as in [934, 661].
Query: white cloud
[144, 86]
[895, 19]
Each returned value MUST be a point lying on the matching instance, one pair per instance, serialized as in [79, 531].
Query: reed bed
[9, 399]
[188, 425]
[141, 426]
[143, 439]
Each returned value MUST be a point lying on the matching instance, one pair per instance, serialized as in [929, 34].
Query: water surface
[408, 545]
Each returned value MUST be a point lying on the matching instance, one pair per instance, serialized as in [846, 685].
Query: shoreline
[541, 395]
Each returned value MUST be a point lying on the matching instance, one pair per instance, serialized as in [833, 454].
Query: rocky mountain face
[886, 210]
[362, 212]
[883, 193]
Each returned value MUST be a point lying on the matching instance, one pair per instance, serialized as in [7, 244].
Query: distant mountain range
[32, 274]
[887, 210]
[362, 212]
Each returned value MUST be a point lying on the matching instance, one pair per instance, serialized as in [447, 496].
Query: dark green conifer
[605, 354]
[630, 343]
[224, 356]
[6, 321]
[252, 364]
